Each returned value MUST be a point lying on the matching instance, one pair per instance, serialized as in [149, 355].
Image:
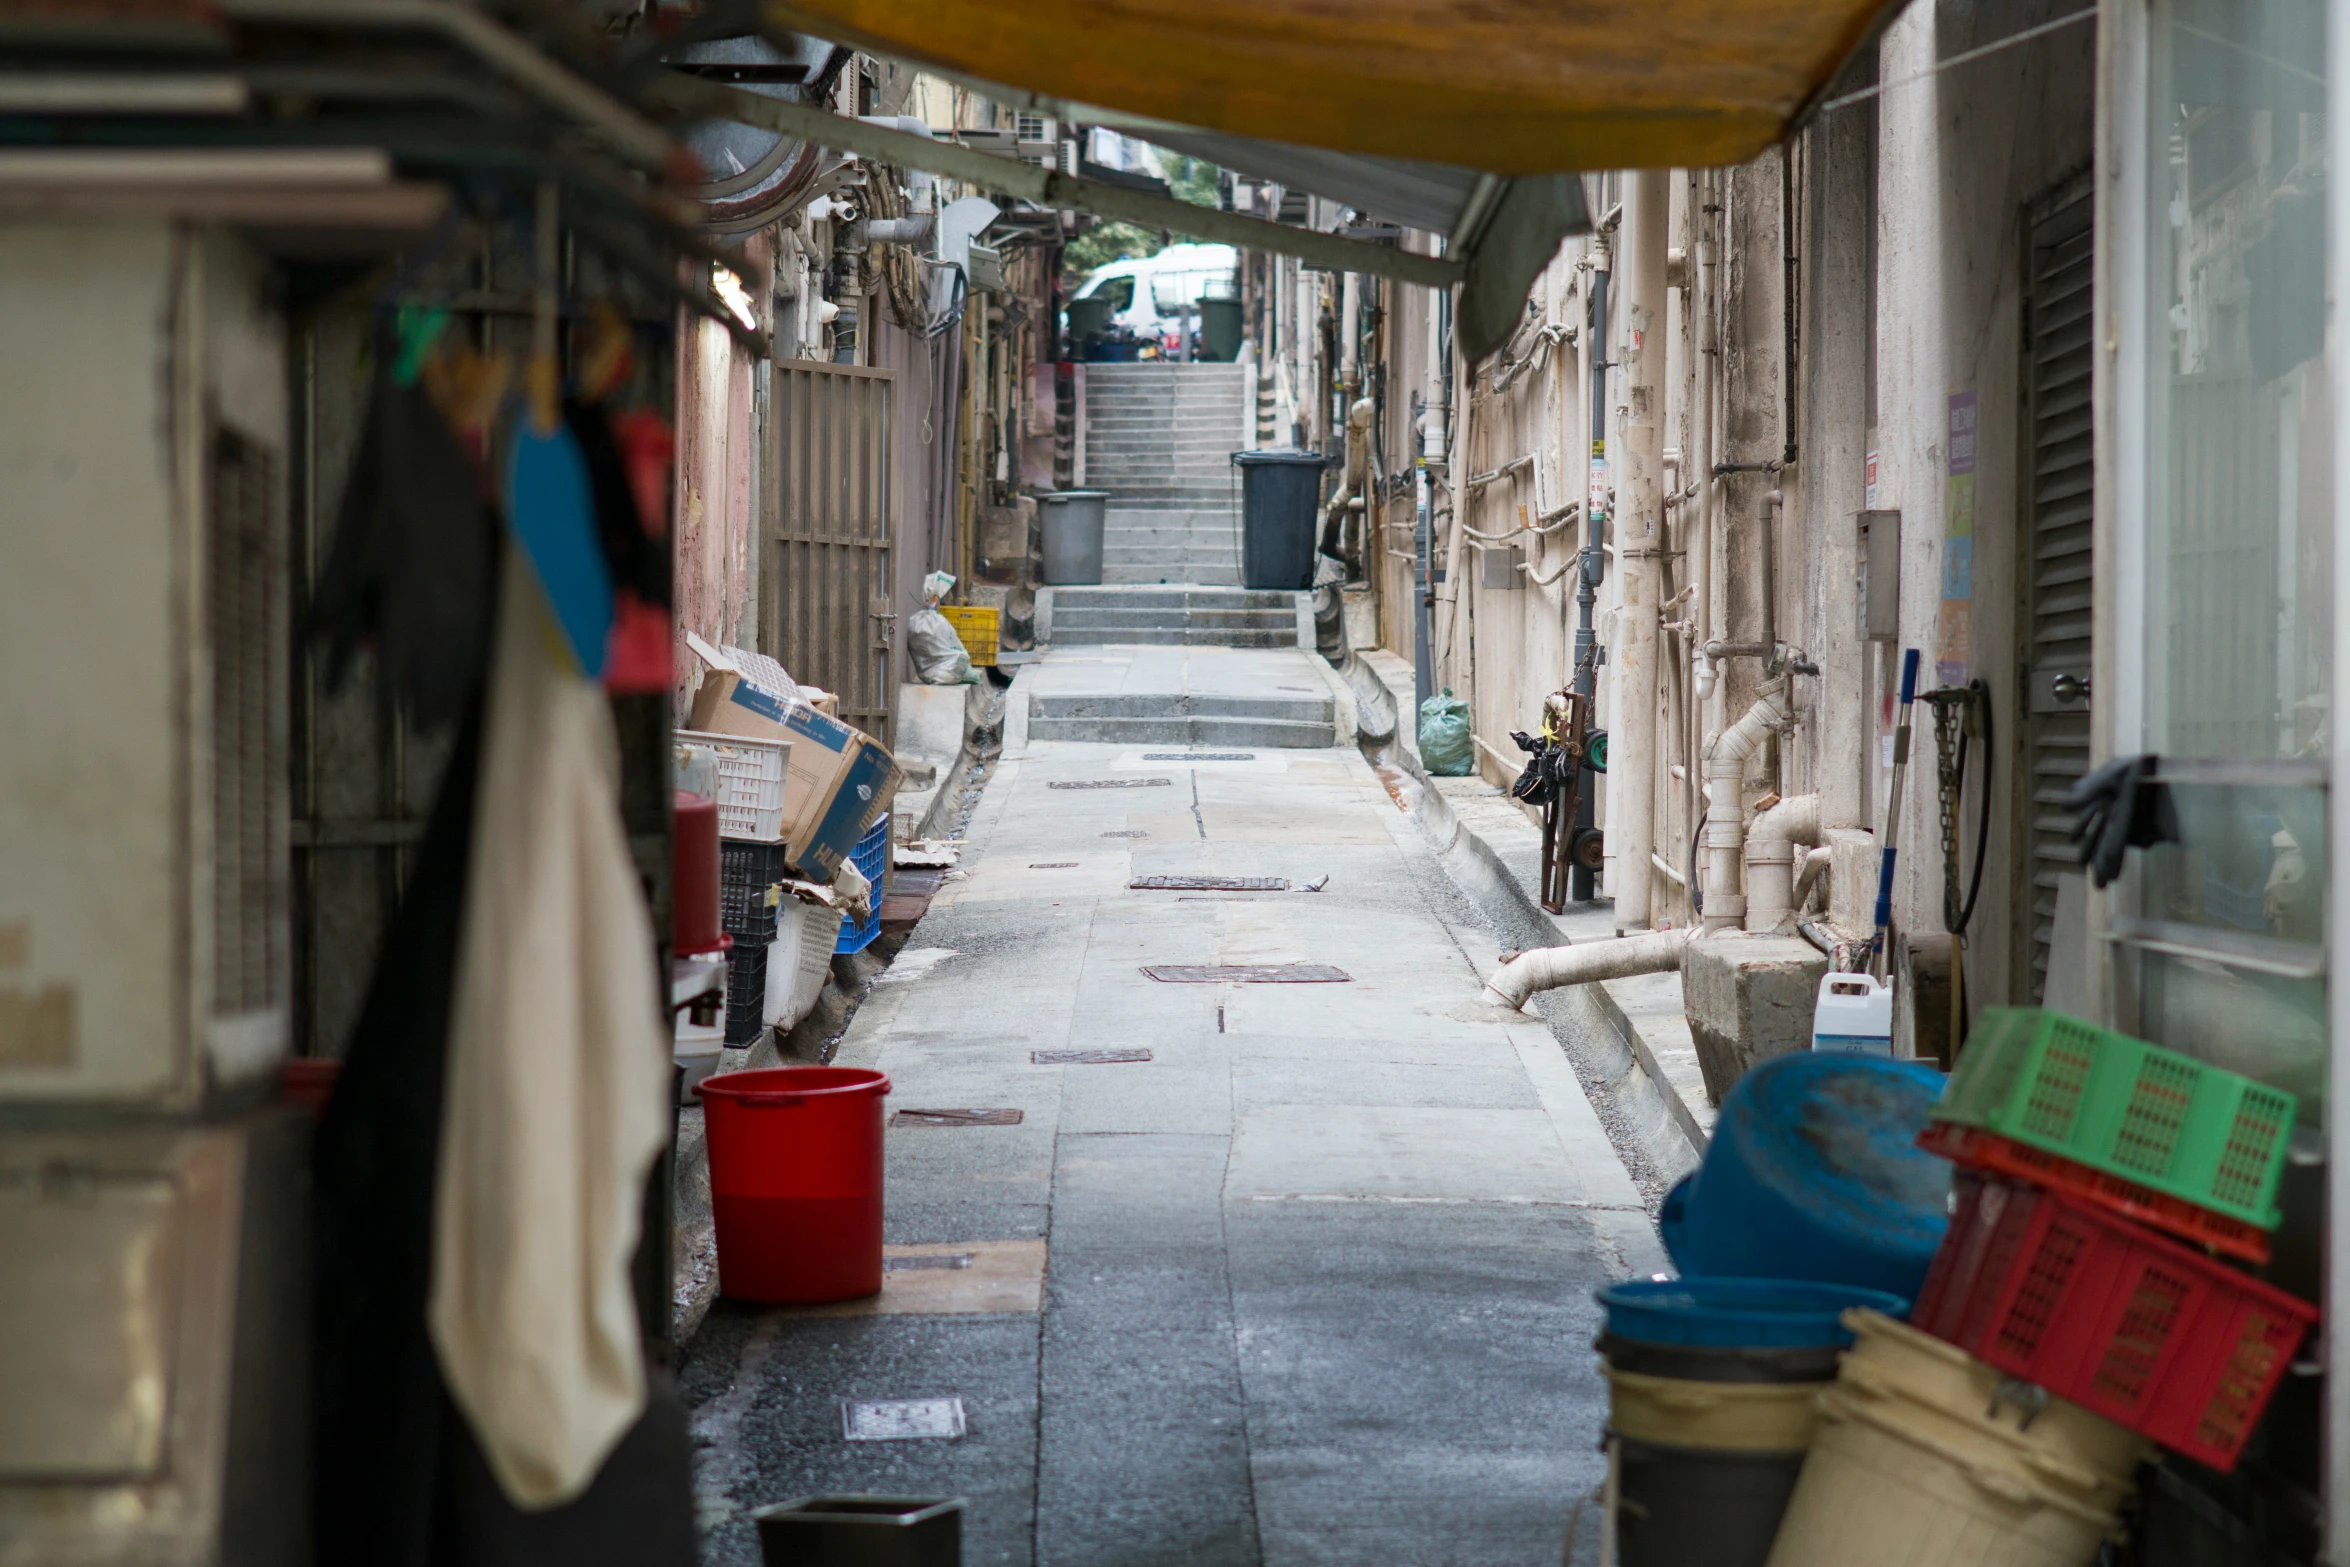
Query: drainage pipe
[1351, 484]
[1725, 812]
[1770, 859]
[1815, 865]
[1632, 746]
[1550, 968]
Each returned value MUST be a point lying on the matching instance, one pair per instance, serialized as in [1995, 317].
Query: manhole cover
[1247, 973]
[1199, 756]
[926, 1261]
[1210, 883]
[902, 1419]
[956, 1118]
[1053, 865]
[1087, 1057]
[1129, 832]
[1112, 783]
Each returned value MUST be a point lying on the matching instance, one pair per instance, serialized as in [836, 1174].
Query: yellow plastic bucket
[1880, 1486]
[1941, 1389]
[1745, 1417]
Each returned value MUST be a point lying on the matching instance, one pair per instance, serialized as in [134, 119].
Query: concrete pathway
[1309, 1285]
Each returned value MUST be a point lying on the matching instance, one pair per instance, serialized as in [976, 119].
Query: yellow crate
[976, 625]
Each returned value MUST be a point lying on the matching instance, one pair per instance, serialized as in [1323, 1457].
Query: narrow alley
[1180, 783]
[1264, 1270]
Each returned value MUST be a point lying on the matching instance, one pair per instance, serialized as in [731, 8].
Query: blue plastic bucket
[1814, 1173]
[1738, 1313]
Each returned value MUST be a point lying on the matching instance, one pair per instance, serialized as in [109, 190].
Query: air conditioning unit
[144, 936]
[153, 1211]
[984, 267]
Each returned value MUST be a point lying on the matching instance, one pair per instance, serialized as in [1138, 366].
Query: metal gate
[828, 612]
[2059, 497]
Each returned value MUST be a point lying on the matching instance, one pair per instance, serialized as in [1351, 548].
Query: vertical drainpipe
[1593, 564]
[1632, 745]
[1435, 462]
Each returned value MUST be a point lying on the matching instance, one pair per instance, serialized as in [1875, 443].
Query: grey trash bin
[1280, 498]
[1072, 521]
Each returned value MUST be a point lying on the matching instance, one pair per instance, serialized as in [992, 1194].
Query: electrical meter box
[1879, 587]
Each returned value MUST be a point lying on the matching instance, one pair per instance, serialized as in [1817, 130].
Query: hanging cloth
[556, 1079]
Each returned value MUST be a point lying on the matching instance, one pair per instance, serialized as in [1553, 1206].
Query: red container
[308, 1081]
[1978, 1149]
[795, 1182]
[2122, 1321]
[693, 876]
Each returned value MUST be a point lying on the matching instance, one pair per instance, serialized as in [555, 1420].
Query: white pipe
[1632, 745]
[1699, 547]
[1815, 865]
[1770, 859]
[1350, 328]
[899, 231]
[1549, 968]
[1351, 485]
[1725, 812]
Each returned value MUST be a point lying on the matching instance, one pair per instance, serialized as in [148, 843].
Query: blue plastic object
[552, 510]
[1739, 1313]
[871, 857]
[1814, 1173]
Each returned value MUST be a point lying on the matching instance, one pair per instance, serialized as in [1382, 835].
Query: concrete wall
[1904, 213]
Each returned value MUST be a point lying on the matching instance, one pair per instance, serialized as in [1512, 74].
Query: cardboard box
[839, 779]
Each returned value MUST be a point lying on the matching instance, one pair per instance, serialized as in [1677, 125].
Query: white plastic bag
[939, 655]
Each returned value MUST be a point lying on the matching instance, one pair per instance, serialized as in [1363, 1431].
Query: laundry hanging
[557, 1074]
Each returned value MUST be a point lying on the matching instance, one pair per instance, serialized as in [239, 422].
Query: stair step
[1205, 637]
[1302, 708]
[1174, 597]
[1087, 619]
[1269, 734]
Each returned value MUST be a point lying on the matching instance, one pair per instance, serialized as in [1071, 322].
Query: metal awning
[1511, 86]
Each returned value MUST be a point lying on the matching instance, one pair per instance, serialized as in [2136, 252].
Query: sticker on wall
[1954, 634]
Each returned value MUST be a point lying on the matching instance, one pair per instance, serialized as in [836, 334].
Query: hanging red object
[693, 876]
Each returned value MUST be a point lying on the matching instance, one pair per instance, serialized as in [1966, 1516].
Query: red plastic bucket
[795, 1182]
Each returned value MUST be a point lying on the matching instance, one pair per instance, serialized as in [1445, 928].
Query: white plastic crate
[800, 960]
[750, 783]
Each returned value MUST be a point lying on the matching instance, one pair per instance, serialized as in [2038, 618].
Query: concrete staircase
[1193, 719]
[1173, 617]
[1160, 438]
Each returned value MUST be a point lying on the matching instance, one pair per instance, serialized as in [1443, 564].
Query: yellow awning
[1511, 86]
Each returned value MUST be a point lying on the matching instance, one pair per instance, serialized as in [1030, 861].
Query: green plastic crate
[2117, 1104]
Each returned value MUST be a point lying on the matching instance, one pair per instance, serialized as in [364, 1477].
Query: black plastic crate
[746, 991]
[747, 872]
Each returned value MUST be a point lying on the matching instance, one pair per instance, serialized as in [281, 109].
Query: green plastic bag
[1445, 747]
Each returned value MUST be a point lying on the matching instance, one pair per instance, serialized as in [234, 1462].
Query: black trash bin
[862, 1531]
[1280, 500]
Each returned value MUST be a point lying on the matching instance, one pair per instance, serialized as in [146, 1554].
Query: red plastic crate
[2120, 1320]
[1981, 1150]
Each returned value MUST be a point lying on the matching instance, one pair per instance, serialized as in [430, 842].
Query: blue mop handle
[1909, 692]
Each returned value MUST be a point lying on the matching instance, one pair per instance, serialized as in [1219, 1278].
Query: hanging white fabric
[557, 1076]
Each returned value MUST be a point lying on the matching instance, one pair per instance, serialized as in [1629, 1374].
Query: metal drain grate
[1106, 1057]
[1199, 756]
[926, 1262]
[1112, 783]
[1210, 883]
[957, 1118]
[1130, 832]
[902, 1420]
[1247, 974]
[1053, 865]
